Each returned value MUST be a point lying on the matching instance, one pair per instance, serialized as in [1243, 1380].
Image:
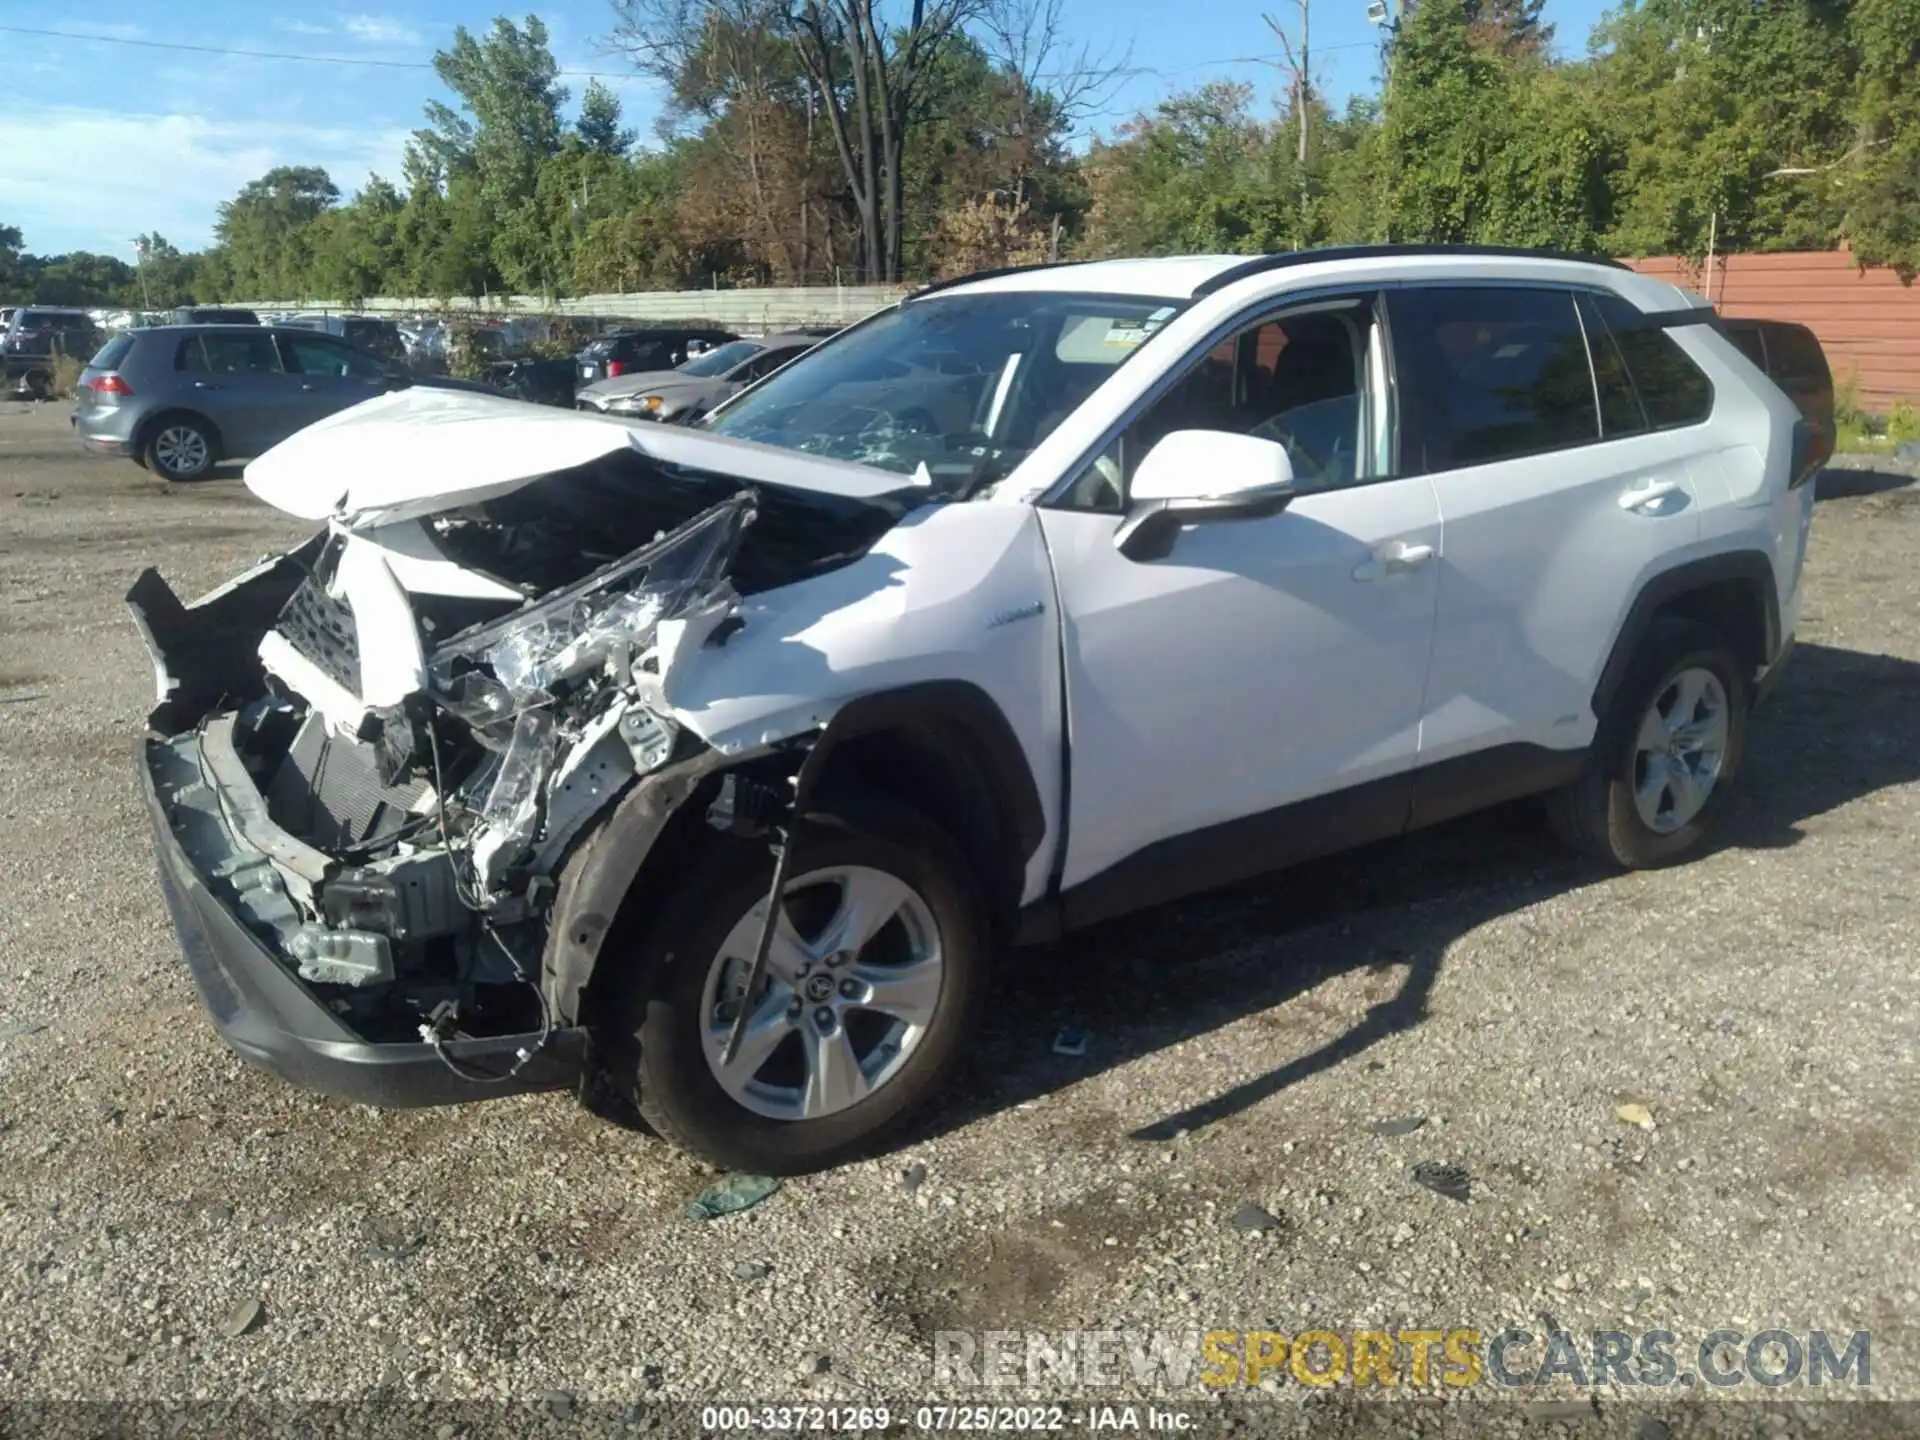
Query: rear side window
[109, 355]
[1671, 387]
[1489, 373]
[228, 355]
[1621, 412]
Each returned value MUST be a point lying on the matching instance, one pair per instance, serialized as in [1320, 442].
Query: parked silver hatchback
[181, 398]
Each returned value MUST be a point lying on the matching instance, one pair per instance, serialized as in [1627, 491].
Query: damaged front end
[364, 790]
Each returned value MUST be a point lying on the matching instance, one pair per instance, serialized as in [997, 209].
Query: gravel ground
[1760, 1003]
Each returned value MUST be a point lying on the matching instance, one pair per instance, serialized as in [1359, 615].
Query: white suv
[1035, 599]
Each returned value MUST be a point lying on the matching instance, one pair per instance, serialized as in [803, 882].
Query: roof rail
[939, 285]
[1260, 264]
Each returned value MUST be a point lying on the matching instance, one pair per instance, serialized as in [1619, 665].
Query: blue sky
[102, 141]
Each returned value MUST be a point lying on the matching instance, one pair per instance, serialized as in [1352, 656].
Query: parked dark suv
[181, 398]
[626, 352]
[213, 315]
[36, 335]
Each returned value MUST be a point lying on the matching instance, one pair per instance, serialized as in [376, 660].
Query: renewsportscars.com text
[1455, 1357]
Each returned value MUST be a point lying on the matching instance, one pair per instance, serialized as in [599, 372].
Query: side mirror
[1194, 476]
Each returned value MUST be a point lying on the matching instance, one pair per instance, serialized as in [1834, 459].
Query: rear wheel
[1665, 753]
[870, 990]
[180, 448]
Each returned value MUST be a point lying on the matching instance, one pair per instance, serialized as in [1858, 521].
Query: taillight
[1812, 449]
[111, 385]
[616, 368]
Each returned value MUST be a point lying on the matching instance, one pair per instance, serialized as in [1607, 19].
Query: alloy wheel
[1680, 749]
[181, 450]
[853, 981]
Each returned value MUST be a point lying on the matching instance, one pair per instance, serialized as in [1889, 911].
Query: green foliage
[1903, 423]
[1689, 124]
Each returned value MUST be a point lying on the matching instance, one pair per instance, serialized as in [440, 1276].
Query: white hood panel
[421, 451]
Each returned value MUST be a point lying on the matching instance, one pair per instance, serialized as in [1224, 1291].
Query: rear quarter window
[109, 355]
[1673, 390]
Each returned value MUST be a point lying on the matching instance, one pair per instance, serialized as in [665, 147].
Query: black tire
[1596, 814]
[650, 1033]
[38, 384]
[170, 454]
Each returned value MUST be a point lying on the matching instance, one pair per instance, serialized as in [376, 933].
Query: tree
[1878, 176]
[265, 230]
[1510, 28]
[867, 71]
[12, 275]
[353, 247]
[599, 124]
[508, 127]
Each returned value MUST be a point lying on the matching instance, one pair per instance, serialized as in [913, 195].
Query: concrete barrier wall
[765, 309]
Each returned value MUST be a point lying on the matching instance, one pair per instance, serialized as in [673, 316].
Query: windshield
[965, 385]
[718, 362]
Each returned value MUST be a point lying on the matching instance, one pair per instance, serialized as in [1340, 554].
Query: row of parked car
[181, 398]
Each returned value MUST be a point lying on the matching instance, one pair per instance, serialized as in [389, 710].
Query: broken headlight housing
[566, 669]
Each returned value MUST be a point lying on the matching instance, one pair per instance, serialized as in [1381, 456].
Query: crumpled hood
[419, 452]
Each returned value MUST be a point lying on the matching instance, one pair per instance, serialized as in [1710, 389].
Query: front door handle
[1649, 495]
[206, 385]
[1396, 557]
[309, 386]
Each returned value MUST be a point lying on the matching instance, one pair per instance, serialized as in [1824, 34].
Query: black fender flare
[601, 871]
[1664, 588]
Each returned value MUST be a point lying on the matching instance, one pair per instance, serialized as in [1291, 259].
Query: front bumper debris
[262, 1009]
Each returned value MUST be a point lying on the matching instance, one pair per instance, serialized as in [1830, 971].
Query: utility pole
[1302, 88]
[140, 264]
[1297, 63]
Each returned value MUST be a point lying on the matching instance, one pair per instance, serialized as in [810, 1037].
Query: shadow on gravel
[1847, 484]
[1842, 725]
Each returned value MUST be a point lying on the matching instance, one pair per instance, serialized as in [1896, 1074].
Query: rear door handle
[1396, 557]
[1648, 495]
[207, 385]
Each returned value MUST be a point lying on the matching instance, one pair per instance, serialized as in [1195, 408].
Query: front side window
[1303, 379]
[314, 356]
[1489, 373]
[965, 385]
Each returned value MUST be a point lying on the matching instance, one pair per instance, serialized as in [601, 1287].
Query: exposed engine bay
[387, 798]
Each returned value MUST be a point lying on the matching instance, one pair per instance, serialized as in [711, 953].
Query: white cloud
[379, 30]
[302, 27]
[170, 172]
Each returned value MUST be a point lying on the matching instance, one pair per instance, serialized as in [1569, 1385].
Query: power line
[270, 54]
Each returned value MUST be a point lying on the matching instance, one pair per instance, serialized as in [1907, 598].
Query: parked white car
[1036, 599]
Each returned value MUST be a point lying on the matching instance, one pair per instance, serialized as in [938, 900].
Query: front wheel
[869, 995]
[1665, 752]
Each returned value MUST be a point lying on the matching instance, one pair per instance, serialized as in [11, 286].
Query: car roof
[649, 332]
[1184, 277]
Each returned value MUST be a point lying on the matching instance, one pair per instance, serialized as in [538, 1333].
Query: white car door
[1260, 663]
[1560, 487]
